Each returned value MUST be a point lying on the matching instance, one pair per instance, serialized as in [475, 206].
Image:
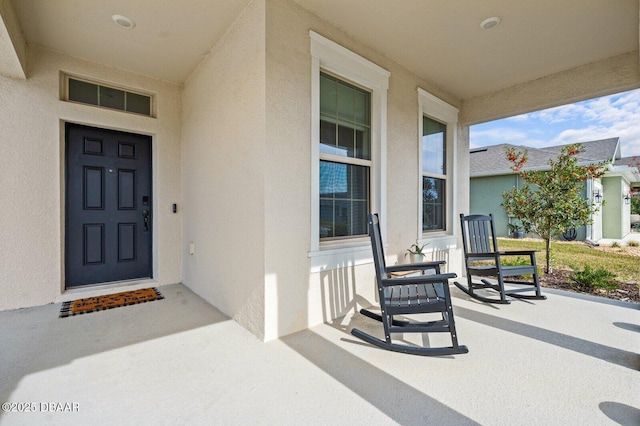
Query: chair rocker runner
[480, 244]
[407, 295]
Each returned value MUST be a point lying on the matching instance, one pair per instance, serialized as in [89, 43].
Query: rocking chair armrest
[518, 252]
[422, 279]
[415, 266]
[489, 255]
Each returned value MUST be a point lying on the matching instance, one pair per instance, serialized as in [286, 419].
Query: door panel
[93, 243]
[108, 206]
[126, 242]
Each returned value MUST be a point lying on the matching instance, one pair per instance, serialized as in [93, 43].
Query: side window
[438, 126]
[434, 175]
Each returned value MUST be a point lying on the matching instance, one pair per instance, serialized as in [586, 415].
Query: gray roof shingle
[629, 161]
[492, 160]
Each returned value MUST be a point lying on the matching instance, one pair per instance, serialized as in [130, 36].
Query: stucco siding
[224, 161]
[32, 173]
[618, 214]
[288, 171]
[13, 46]
[485, 194]
[486, 197]
[298, 298]
[605, 77]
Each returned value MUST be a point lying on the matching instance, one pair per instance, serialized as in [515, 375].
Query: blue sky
[606, 117]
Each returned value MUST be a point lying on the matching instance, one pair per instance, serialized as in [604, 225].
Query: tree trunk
[548, 267]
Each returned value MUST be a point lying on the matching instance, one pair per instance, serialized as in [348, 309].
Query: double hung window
[348, 153]
[345, 158]
[437, 154]
[434, 175]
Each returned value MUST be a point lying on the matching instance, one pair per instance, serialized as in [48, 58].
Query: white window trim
[65, 94]
[330, 56]
[435, 108]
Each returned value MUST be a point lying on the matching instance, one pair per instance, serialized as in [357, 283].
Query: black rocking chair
[482, 258]
[407, 295]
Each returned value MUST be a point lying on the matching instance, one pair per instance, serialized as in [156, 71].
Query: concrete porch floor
[567, 360]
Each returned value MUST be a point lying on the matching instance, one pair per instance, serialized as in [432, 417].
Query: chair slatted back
[478, 234]
[376, 246]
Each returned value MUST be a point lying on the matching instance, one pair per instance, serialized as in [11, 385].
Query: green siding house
[490, 175]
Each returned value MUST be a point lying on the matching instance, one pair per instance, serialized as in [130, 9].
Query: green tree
[635, 204]
[555, 204]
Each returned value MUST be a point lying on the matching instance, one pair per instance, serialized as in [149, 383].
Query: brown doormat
[109, 301]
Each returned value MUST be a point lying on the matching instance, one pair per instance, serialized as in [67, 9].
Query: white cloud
[582, 135]
[606, 117]
[496, 136]
[559, 114]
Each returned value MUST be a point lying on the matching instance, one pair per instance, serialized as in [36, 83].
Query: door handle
[145, 216]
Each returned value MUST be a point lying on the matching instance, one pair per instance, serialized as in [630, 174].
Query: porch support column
[462, 187]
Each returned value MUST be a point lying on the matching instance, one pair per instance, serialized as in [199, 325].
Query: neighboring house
[491, 175]
[236, 146]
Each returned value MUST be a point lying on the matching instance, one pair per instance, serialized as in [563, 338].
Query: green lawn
[577, 255]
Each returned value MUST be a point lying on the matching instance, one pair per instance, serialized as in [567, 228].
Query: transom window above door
[91, 93]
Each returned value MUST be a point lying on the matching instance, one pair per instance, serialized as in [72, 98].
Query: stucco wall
[224, 161]
[486, 197]
[295, 297]
[13, 47]
[617, 214]
[596, 227]
[32, 173]
[611, 75]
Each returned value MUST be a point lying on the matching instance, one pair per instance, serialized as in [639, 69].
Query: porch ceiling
[440, 41]
[169, 40]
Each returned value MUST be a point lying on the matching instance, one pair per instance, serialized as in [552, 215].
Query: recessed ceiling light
[490, 23]
[123, 21]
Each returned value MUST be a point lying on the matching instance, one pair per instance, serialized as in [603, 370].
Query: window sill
[339, 255]
[438, 241]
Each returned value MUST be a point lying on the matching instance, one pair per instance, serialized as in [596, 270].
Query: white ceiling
[169, 40]
[440, 40]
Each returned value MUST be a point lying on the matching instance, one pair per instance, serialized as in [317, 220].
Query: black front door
[108, 206]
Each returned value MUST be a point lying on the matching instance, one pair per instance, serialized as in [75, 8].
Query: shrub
[635, 205]
[599, 278]
[514, 261]
[615, 244]
[634, 244]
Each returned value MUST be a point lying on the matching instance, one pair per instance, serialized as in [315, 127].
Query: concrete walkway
[633, 236]
[567, 360]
